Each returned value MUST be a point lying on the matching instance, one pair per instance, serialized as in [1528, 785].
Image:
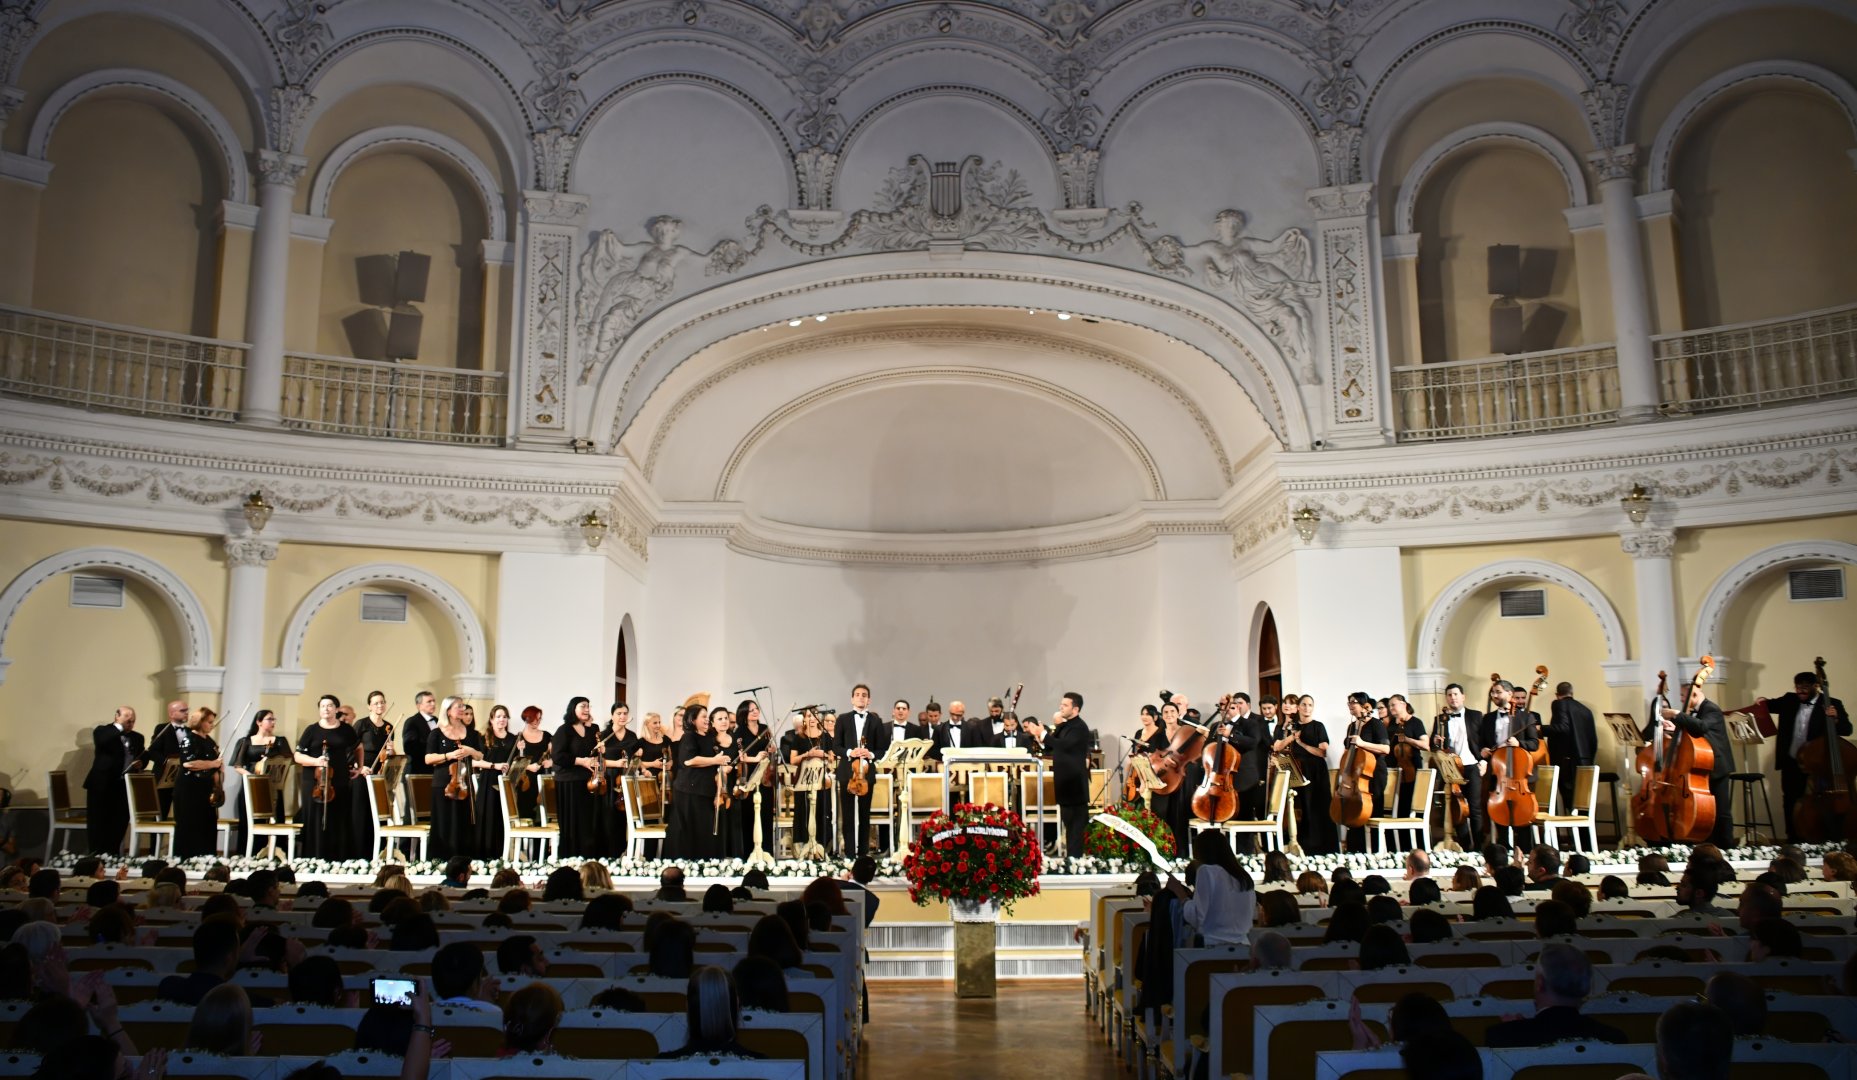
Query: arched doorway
[1269, 658]
[622, 668]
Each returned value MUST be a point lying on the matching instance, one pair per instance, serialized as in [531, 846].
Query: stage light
[1063, 314]
[793, 322]
[818, 318]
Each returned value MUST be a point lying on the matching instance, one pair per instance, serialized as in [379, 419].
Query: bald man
[117, 747]
[164, 744]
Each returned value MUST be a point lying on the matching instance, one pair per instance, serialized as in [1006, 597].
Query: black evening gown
[327, 832]
[1315, 830]
[758, 743]
[370, 738]
[246, 755]
[692, 831]
[529, 800]
[610, 811]
[454, 821]
[490, 796]
[196, 819]
[579, 823]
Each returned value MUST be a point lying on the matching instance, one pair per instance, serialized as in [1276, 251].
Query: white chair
[59, 812]
[193, 1063]
[523, 1066]
[261, 804]
[882, 809]
[694, 1068]
[384, 828]
[517, 830]
[1270, 828]
[18, 1063]
[1547, 789]
[1580, 819]
[636, 829]
[145, 814]
[1418, 822]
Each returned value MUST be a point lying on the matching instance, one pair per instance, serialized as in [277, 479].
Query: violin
[1216, 799]
[596, 785]
[1512, 795]
[386, 745]
[1829, 809]
[859, 782]
[216, 795]
[1405, 755]
[323, 791]
[459, 786]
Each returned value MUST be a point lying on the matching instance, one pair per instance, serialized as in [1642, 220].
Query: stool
[1748, 781]
[1610, 780]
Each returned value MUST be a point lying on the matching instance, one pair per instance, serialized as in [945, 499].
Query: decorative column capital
[1615, 163]
[1648, 543]
[246, 550]
[290, 108]
[554, 152]
[1340, 151]
[284, 170]
[11, 98]
[1605, 106]
[554, 208]
[1341, 201]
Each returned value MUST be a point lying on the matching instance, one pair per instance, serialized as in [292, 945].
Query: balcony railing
[118, 368]
[1543, 391]
[1759, 363]
[394, 401]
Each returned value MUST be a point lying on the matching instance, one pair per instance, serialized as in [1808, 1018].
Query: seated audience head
[112, 924]
[1416, 1016]
[417, 933]
[619, 999]
[383, 899]
[530, 1017]
[385, 1029]
[1276, 867]
[798, 921]
[44, 883]
[673, 949]
[1444, 1055]
[1428, 925]
[102, 894]
[386, 873]
[1425, 891]
[1613, 887]
[1511, 880]
[458, 972]
[87, 867]
[506, 878]
[1495, 856]
[773, 938]
[827, 891]
[761, 984]
[1347, 892]
[1278, 907]
[1577, 865]
[563, 884]
[818, 918]
[1696, 890]
[1347, 923]
[1740, 999]
[433, 900]
[718, 898]
[317, 980]
[1418, 864]
[458, 871]
[1271, 950]
[1381, 946]
[1372, 884]
[1384, 909]
[713, 1012]
[1543, 862]
[223, 903]
[1466, 879]
[333, 912]
[1554, 919]
[222, 1023]
[1694, 1042]
[514, 902]
[1839, 866]
[52, 1021]
[1563, 975]
[498, 920]
[670, 884]
[594, 877]
[1759, 903]
[606, 911]
[1489, 903]
[216, 947]
[521, 954]
[1575, 895]
[756, 878]
[1311, 883]
[348, 937]
[1775, 938]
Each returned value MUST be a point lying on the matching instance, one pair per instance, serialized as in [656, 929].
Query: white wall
[558, 620]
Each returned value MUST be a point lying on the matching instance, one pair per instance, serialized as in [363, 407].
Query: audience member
[1759, 903]
[619, 999]
[1222, 905]
[1739, 998]
[317, 980]
[222, 1023]
[459, 979]
[1775, 938]
[1381, 946]
[1510, 879]
[1418, 865]
[1346, 923]
[1694, 1042]
[1427, 926]
[672, 952]
[717, 898]
[1271, 950]
[563, 885]
[1563, 978]
[530, 1018]
[761, 984]
[1490, 903]
[1554, 919]
[772, 939]
[1424, 891]
[522, 955]
[1543, 867]
[712, 1018]
[670, 885]
[606, 911]
[1613, 887]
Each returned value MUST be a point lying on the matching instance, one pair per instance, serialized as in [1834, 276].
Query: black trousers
[106, 821]
[1075, 818]
[1722, 836]
[1793, 784]
[1471, 833]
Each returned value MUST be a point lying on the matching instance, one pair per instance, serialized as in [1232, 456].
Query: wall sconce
[1637, 504]
[1305, 520]
[593, 528]
[257, 511]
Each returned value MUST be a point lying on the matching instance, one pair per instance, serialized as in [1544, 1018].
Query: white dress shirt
[1220, 910]
[1802, 722]
[1460, 738]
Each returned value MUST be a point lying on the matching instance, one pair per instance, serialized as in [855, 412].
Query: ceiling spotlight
[793, 322]
[1031, 311]
[818, 318]
[1063, 314]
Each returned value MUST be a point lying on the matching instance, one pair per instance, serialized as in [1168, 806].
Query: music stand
[1744, 729]
[1625, 731]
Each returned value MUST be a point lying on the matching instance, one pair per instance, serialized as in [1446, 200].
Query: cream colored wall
[1480, 197]
[72, 666]
[234, 283]
[390, 202]
[19, 218]
[1476, 101]
[112, 41]
[125, 224]
[303, 304]
[347, 657]
[1769, 200]
[393, 106]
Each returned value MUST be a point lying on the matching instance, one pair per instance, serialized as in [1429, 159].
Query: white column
[1631, 306]
[262, 399]
[1352, 364]
[248, 560]
[1650, 549]
[541, 413]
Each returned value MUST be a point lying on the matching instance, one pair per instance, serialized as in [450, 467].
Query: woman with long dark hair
[574, 759]
[1307, 745]
[327, 752]
[533, 744]
[1222, 904]
[452, 749]
[729, 823]
[756, 742]
[254, 753]
[499, 745]
[692, 832]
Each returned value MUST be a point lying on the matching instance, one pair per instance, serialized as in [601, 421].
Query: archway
[475, 681]
[197, 674]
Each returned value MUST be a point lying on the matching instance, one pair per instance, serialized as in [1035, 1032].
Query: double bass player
[1704, 718]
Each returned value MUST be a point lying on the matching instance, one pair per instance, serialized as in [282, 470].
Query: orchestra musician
[372, 732]
[1507, 725]
[996, 717]
[691, 827]
[621, 743]
[163, 746]
[533, 744]
[812, 811]
[756, 742]
[1249, 737]
[1012, 735]
[327, 745]
[413, 733]
[1704, 718]
[1369, 733]
[1800, 719]
[499, 747]
[1572, 741]
[450, 747]
[573, 755]
[196, 819]
[1404, 729]
[1461, 730]
[862, 736]
[254, 752]
[118, 750]
[1176, 807]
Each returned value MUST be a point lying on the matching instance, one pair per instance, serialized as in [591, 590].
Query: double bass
[1828, 810]
[1673, 803]
[1512, 797]
[1216, 798]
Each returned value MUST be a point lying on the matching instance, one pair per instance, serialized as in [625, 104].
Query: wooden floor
[1031, 1029]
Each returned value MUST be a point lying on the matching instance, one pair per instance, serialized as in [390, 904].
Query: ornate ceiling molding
[935, 335]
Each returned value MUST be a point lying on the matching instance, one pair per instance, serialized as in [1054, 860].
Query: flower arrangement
[976, 852]
[1103, 842]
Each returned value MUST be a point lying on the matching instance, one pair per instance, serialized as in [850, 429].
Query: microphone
[752, 689]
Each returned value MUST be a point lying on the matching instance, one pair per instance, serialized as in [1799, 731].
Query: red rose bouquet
[1104, 842]
[976, 852]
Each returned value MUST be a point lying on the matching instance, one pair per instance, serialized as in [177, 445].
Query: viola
[596, 785]
[859, 782]
[458, 787]
[1829, 809]
[1512, 795]
[1457, 805]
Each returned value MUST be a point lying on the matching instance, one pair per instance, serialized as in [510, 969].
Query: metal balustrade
[394, 401]
[1543, 391]
[1759, 363]
[118, 368]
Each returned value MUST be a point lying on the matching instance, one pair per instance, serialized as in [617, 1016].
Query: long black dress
[760, 742]
[454, 821]
[528, 799]
[608, 810]
[812, 813]
[1315, 830]
[692, 832]
[371, 737]
[246, 755]
[490, 796]
[579, 823]
[196, 819]
[327, 833]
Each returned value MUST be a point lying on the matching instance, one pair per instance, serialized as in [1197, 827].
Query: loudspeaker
[375, 274]
[403, 333]
[367, 334]
[1505, 270]
[409, 283]
[1505, 326]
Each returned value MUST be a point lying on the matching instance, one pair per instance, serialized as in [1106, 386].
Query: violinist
[812, 811]
[861, 735]
[651, 755]
[619, 745]
[1150, 737]
[492, 770]
[452, 749]
[690, 832]
[1455, 729]
[1704, 718]
[756, 746]
[196, 820]
[372, 733]
[1305, 739]
[532, 744]
[1407, 735]
[1369, 733]
[1507, 725]
[726, 820]
[1800, 719]
[574, 757]
[253, 753]
[327, 751]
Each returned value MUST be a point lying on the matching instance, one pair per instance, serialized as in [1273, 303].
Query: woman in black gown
[1308, 748]
[328, 747]
[729, 824]
[196, 819]
[499, 745]
[256, 746]
[533, 745]
[451, 749]
[756, 744]
[372, 732]
[692, 832]
[621, 741]
[1176, 809]
[574, 759]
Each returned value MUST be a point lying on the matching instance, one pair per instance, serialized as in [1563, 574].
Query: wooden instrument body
[1216, 799]
[1351, 804]
[1674, 804]
[859, 782]
[458, 787]
[1170, 764]
[1512, 798]
[1828, 810]
[322, 791]
[1457, 804]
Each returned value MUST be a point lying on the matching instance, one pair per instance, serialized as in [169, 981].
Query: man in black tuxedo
[164, 743]
[1011, 737]
[118, 747]
[973, 733]
[416, 729]
[1510, 726]
[861, 736]
[1800, 718]
[1572, 741]
[1067, 744]
[1704, 718]
[1460, 729]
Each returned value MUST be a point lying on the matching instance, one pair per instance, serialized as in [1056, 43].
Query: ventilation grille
[1826, 584]
[1524, 603]
[383, 607]
[88, 590]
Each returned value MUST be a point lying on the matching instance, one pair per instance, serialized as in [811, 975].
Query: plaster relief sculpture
[1270, 281]
[621, 283]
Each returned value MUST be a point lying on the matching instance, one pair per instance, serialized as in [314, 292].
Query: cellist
[1507, 725]
[1800, 718]
[1368, 733]
[1704, 718]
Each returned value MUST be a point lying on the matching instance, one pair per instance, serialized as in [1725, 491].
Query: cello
[1351, 804]
[1828, 811]
[1512, 798]
[1675, 804]
[1216, 799]
[1170, 764]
